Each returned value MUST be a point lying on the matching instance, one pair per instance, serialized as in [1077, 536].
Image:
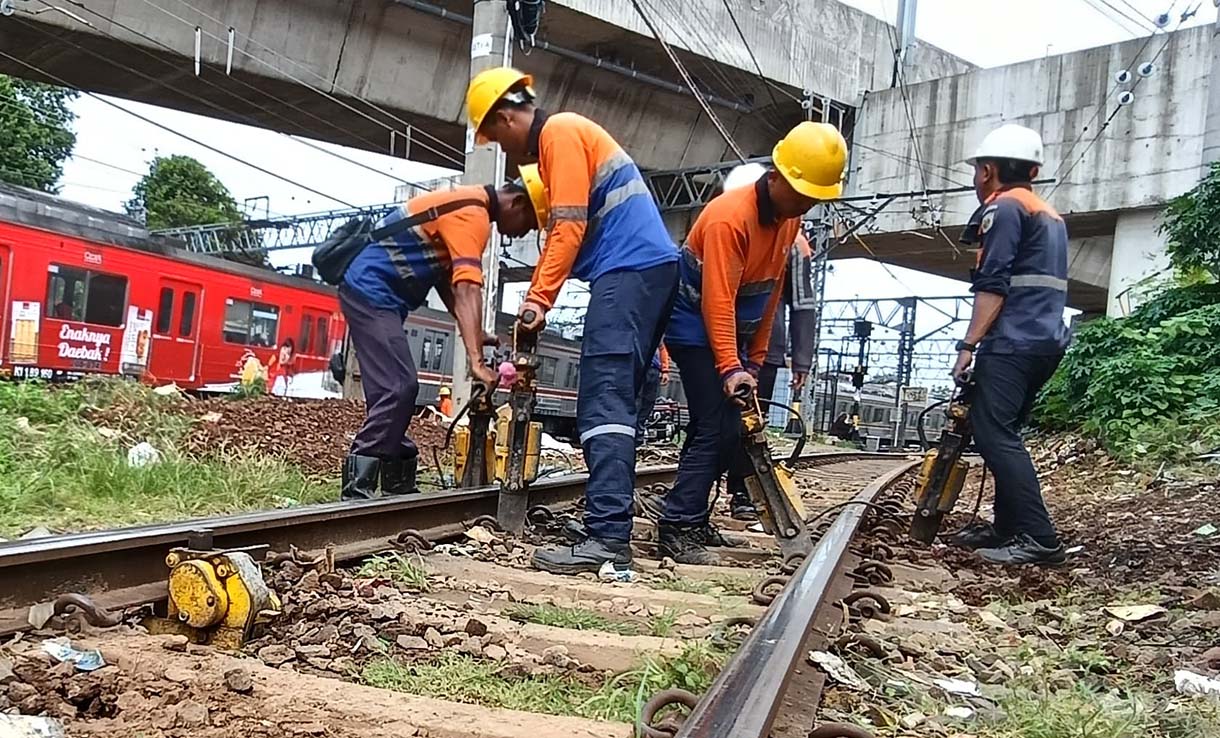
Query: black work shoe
[360, 477]
[587, 556]
[1021, 549]
[713, 536]
[686, 544]
[649, 505]
[975, 536]
[741, 507]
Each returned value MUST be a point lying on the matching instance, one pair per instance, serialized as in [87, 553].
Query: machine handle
[529, 316]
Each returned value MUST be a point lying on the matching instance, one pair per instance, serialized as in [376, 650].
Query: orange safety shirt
[603, 217]
[731, 278]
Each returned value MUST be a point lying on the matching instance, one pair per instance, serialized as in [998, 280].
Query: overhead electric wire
[61, 81]
[1139, 79]
[409, 127]
[673, 58]
[741, 34]
[248, 120]
[1141, 24]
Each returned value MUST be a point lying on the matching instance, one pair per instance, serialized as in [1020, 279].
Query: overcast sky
[984, 32]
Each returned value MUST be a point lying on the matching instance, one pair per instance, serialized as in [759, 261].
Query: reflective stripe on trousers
[624, 323]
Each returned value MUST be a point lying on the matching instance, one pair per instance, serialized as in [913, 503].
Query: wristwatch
[963, 346]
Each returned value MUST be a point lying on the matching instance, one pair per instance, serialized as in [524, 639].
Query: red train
[87, 291]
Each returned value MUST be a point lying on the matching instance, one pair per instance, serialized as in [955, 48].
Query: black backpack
[332, 257]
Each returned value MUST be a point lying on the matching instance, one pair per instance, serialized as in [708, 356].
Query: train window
[165, 310]
[186, 324]
[322, 347]
[306, 344]
[573, 375]
[546, 372]
[250, 323]
[425, 354]
[84, 295]
[438, 352]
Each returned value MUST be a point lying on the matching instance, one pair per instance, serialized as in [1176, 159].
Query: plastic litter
[1188, 682]
[961, 687]
[960, 712]
[61, 650]
[1135, 613]
[838, 670]
[610, 574]
[29, 726]
[143, 454]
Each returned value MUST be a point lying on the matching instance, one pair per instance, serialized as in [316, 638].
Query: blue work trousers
[713, 437]
[624, 323]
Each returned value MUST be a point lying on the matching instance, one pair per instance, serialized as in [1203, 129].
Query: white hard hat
[742, 175]
[1010, 141]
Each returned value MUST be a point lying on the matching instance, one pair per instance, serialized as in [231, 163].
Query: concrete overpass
[352, 72]
[1113, 180]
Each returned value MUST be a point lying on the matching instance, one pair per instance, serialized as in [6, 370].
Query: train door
[175, 334]
[5, 271]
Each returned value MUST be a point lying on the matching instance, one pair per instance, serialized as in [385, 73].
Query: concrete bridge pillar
[1138, 254]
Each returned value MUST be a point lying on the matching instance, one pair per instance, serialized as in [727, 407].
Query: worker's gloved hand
[531, 316]
[485, 375]
[508, 373]
[739, 386]
[798, 380]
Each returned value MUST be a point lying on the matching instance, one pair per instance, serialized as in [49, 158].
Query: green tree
[179, 191]
[1192, 228]
[36, 134]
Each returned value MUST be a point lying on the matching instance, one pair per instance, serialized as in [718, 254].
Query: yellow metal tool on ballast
[771, 484]
[518, 436]
[943, 473]
[215, 597]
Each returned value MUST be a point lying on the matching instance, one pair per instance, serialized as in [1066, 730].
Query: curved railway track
[766, 688]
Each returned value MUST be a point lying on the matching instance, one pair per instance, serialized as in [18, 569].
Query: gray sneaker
[1021, 549]
[587, 556]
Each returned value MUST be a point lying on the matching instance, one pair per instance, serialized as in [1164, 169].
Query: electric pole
[490, 46]
[906, 35]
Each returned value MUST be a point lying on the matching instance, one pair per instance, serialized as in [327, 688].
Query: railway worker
[444, 402]
[390, 278]
[801, 304]
[656, 378]
[605, 230]
[733, 265]
[1017, 331]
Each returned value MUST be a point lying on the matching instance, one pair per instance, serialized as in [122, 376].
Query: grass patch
[398, 569]
[60, 470]
[1080, 712]
[461, 678]
[573, 618]
[662, 626]
[721, 585]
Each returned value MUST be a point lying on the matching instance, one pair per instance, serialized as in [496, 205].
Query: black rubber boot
[741, 507]
[1021, 549]
[398, 476]
[360, 477]
[976, 536]
[686, 544]
[587, 556]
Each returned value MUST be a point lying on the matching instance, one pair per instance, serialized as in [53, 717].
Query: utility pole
[1211, 130]
[490, 46]
[906, 35]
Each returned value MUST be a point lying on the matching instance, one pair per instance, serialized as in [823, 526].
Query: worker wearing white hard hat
[1015, 339]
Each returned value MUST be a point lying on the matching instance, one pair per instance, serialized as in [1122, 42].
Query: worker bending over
[800, 302]
[390, 278]
[605, 229]
[732, 269]
[656, 378]
[1017, 330]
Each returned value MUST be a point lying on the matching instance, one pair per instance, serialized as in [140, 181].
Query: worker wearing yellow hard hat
[732, 280]
[435, 241]
[604, 228]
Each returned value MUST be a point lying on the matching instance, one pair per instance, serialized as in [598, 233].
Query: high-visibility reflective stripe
[1038, 280]
[619, 195]
[570, 212]
[608, 167]
[601, 430]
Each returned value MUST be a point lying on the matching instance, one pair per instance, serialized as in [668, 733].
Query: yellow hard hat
[531, 179]
[812, 157]
[444, 392]
[487, 88]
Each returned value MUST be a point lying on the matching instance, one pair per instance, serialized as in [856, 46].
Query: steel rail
[747, 695]
[124, 566]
